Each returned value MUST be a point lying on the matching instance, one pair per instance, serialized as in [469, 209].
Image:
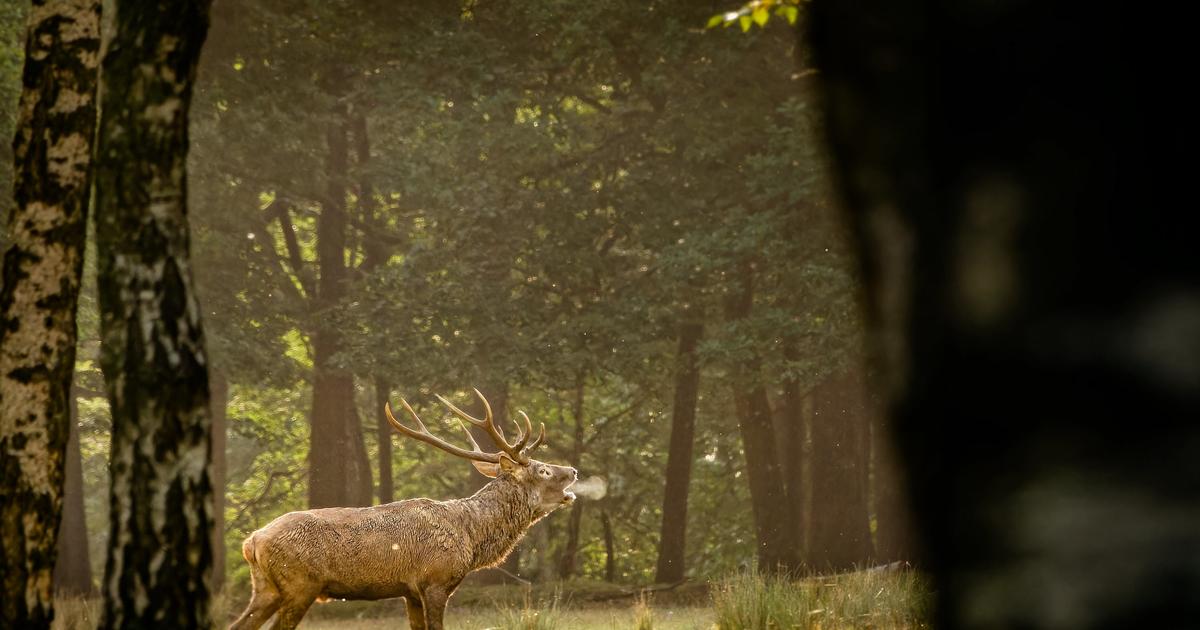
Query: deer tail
[248, 549]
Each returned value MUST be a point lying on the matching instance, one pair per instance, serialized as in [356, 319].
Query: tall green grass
[863, 599]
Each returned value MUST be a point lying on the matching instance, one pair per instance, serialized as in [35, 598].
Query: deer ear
[507, 464]
[487, 469]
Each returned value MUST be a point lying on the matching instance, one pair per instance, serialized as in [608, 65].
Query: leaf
[760, 16]
[791, 12]
[745, 21]
[715, 20]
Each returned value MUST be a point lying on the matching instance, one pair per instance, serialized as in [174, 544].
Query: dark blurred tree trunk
[159, 565]
[790, 440]
[672, 544]
[610, 548]
[778, 550]
[42, 268]
[220, 401]
[894, 539]
[73, 569]
[567, 561]
[382, 392]
[841, 535]
[339, 473]
[1031, 280]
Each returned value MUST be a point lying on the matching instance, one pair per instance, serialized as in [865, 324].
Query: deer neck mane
[501, 512]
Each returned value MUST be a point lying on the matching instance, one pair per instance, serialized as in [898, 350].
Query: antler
[515, 451]
[425, 436]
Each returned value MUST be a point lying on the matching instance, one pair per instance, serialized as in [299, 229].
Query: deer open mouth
[568, 496]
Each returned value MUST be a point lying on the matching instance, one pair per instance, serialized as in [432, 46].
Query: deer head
[546, 483]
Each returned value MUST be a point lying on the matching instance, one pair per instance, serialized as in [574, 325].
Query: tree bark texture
[73, 568]
[841, 535]
[672, 546]
[1033, 293]
[42, 267]
[339, 473]
[778, 550]
[159, 567]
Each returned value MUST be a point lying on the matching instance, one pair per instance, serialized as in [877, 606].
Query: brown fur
[419, 549]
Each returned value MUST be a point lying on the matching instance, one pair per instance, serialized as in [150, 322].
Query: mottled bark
[339, 473]
[73, 568]
[42, 266]
[840, 538]
[672, 545]
[778, 550]
[219, 391]
[158, 572]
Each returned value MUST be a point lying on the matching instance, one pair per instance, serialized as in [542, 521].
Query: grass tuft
[863, 599]
[643, 615]
[530, 616]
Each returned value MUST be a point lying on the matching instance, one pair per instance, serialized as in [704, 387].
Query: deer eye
[545, 472]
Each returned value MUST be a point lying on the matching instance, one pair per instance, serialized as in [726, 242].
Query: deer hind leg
[416, 612]
[292, 610]
[264, 601]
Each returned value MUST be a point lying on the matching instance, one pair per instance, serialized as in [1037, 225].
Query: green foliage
[757, 12]
[862, 599]
[554, 186]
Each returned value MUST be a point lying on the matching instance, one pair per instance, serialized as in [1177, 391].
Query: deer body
[419, 549]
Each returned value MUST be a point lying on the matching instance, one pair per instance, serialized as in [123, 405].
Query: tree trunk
[42, 268]
[841, 536]
[339, 473]
[73, 569]
[159, 565]
[791, 438]
[777, 548]
[385, 432]
[894, 540]
[610, 551]
[220, 402]
[672, 544]
[570, 551]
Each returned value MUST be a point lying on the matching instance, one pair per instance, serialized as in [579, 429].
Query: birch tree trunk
[43, 263]
[158, 572]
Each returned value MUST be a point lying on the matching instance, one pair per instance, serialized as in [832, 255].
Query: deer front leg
[416, 612]
[434, 600]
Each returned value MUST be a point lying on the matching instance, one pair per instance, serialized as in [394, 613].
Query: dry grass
[881, 600]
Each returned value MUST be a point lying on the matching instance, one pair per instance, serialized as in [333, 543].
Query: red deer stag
[418, 549]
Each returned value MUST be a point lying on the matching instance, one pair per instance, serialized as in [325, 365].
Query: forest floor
[881, 600]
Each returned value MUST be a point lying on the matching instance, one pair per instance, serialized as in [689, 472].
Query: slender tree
[73, 568]
[778, 548]
[673, 537]
[159, 565]
[42, 270]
